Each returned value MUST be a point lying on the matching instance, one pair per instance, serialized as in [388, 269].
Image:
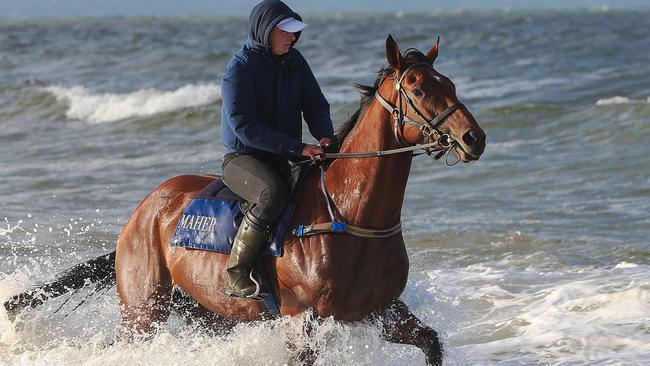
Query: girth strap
[339, 227]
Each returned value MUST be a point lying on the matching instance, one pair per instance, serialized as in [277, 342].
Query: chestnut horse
[347, 277]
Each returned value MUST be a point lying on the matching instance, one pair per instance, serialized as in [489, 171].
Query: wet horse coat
[346, 277]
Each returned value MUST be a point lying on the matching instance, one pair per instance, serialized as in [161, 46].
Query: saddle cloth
[211, 220]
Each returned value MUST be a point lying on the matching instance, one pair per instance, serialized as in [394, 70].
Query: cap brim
[292, 25]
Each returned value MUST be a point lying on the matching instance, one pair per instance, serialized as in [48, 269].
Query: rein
[434, 141]
[376, 153]
[443, 149]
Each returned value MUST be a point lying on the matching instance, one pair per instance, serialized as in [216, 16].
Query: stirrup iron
[258, 295]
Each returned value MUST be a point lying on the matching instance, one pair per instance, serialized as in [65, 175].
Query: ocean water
[536, 254]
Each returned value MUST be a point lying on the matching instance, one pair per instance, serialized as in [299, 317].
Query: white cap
[291, 25]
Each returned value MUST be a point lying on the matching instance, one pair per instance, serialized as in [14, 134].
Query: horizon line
[333, 13]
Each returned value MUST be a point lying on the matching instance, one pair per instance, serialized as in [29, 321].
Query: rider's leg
[261, 184]
[246, 246]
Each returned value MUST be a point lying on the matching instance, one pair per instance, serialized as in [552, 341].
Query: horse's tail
[99, 271]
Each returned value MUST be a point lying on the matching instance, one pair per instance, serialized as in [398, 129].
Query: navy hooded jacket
[265, 97]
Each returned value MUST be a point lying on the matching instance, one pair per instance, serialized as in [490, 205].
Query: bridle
[434, 140]
[428, 128]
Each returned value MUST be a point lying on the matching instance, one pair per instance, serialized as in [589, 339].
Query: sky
[22, 9]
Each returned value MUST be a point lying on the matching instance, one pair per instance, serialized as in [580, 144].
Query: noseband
[429, 128]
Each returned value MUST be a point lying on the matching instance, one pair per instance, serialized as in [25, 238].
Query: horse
[347, 277]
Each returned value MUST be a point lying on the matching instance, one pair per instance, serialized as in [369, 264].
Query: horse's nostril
[471, 137]
[475, 141]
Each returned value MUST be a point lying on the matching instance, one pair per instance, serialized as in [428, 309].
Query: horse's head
[425, 105]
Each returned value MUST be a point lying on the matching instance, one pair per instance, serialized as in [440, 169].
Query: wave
[620, 100]
[107, 107]
[527, 315]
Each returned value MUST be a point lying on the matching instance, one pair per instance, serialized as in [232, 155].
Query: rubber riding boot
[245, 249]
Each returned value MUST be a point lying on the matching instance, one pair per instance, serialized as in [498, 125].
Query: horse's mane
[368, 94]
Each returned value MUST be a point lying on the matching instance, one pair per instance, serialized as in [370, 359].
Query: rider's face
[281, 41]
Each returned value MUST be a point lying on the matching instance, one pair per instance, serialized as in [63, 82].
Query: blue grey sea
[537, 254]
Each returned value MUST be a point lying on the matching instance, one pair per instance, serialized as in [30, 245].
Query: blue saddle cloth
[212, 219]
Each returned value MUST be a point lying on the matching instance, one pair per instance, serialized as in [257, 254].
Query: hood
[264, 17]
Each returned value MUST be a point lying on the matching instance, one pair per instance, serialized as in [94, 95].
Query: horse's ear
[433, 52]
[393, 54]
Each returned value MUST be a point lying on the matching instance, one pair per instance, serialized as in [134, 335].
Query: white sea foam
[613, 100]
[9, 286]
[620, 100]
[626, 265]
[529, 316]
[84, 105]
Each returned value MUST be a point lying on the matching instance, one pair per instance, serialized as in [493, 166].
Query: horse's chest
[348, 281]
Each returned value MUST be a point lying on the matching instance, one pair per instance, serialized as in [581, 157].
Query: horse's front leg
[401, 326]
[298, 342]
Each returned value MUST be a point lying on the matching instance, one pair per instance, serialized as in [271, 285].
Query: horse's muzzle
[473, 144]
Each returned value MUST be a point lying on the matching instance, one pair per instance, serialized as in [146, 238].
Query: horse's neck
[369, 192]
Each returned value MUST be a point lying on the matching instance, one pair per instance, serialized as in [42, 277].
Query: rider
[266, 90]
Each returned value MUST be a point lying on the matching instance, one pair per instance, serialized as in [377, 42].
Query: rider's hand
[314, 152]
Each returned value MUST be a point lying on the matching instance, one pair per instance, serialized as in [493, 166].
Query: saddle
[211, 220]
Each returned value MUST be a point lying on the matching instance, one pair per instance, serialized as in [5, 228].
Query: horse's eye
[417, 92]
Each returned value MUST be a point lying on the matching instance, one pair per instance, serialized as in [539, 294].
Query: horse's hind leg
[143, 286]
[401, 326]
[196, 314]
[140, 316]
